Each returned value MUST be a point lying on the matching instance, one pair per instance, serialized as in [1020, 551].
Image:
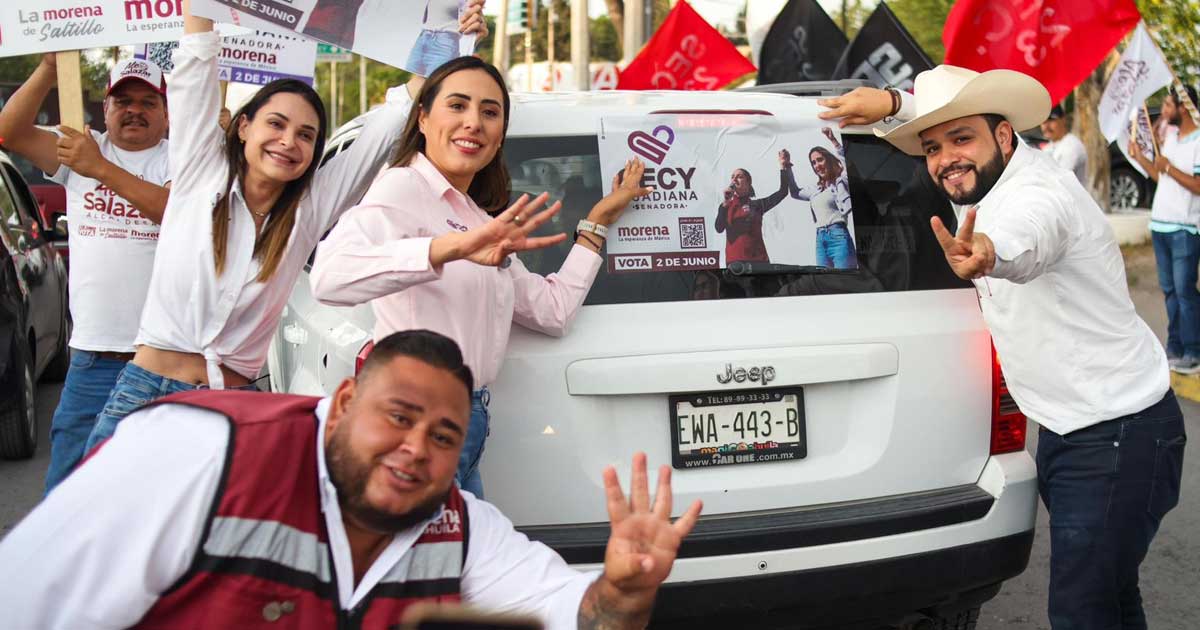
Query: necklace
[261, 215]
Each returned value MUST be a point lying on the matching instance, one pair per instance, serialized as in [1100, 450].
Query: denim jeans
[433, 48]
[135, 388]
[835, 248]
[1177, 255]
[90, 379]
[1106, 488]
[472, 451]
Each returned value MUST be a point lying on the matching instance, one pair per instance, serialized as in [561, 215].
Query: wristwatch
[594, 228]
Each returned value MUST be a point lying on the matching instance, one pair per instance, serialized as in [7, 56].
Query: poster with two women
[416, 35]
[731, 191]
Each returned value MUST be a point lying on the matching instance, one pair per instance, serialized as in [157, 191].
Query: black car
[34, 321]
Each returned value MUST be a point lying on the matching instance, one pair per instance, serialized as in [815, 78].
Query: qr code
[160, 54]
[692, 234]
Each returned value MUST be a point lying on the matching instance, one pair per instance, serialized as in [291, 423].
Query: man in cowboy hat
[1076, 356]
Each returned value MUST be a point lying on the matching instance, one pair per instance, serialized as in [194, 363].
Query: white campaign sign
[722, 196]
[38, 26]
[256, 59]
[416, 35]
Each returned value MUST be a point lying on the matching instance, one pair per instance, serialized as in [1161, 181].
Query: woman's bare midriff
[185, 367]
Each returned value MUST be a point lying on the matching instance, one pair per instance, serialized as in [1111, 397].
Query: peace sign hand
[491, 243]
[971, 256]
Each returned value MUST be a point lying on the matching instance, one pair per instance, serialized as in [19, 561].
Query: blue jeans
[472, 451]
[433, 48]
[89, 381]
[1106, 488]
[136, 387]
[835, 248]
[1177, 255]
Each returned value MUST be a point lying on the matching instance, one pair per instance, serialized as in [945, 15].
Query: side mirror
[61, 229]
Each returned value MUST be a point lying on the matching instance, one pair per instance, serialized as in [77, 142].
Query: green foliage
[606, 45]
[1176, 27]
[924, 19]
[380, 77]
[93, 73]
[857, 12]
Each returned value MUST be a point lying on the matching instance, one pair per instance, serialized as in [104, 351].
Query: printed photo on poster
[730, 190]
[416, 35]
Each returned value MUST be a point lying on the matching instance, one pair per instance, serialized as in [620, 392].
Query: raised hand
[971, 256]
[625, 188]
[644, 542]
[78, 151]
[492, 242]
[785, 159]
[471, 20]
[861, 106]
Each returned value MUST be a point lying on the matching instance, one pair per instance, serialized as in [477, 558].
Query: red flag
[685, 54]
[1058, 42]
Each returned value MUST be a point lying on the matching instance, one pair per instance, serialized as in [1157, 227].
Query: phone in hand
[456, 617]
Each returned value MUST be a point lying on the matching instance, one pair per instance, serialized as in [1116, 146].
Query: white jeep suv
[909, 497]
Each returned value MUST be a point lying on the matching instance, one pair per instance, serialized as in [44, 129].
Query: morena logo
[650, 146]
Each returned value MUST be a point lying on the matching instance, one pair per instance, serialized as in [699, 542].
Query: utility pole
[529, 56]
[550, 19]
[635, 19]
[333, 96]
[581, 45]
[500, 44]
[362, 85]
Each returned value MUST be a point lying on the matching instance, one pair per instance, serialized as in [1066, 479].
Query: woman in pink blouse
[410, 247]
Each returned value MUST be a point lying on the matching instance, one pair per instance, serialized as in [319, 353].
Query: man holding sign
[116, 194]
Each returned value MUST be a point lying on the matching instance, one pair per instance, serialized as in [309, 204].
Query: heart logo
[649, 146]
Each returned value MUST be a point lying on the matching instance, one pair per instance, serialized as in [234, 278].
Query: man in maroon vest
[240, 509]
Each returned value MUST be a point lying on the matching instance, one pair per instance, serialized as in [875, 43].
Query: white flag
[1141, 72]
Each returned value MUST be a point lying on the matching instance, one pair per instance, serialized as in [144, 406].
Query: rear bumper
[831, 565]
[876, 592]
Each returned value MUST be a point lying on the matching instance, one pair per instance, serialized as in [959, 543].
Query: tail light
[361, 358]
[1008, 423]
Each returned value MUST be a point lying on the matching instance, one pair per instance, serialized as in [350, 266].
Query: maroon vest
[264, 552]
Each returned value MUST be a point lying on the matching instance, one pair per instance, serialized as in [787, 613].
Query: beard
[986, 177]
[350, 474]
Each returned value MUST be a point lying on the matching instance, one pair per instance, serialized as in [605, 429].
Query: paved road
[1170, 575]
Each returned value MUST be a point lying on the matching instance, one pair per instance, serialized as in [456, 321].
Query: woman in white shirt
[829, 203]
[405, 248]
[247, 206]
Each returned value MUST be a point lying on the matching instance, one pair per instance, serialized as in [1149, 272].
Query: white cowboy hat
[949, 92]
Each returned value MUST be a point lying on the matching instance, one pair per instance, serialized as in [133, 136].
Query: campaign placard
[730, 189]
[39, 26]
[255, 58]
[416, 35]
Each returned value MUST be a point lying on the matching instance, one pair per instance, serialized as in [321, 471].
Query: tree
[606, 44]
[616, 14]
[857, 13]
[924, 20]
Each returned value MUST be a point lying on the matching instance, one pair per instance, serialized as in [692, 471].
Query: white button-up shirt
[121, 530]
[1073, 350]
[231, 318]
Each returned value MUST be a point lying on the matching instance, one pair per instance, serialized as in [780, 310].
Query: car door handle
[295, 334]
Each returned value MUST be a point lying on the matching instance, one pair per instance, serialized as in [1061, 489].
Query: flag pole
[1153, 136]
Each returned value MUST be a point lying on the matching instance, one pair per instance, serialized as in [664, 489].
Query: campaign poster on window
[416, 35]
[256, 58]
[730, 191]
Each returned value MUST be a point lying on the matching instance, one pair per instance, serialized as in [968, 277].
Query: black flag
[802, 45]
[883, 53]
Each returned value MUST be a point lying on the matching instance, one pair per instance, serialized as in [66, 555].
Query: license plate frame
[723, 456]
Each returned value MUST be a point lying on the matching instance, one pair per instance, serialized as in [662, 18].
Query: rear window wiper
[748, 268]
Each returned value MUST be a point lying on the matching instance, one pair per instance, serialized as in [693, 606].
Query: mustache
[941, 174]
[130, 119]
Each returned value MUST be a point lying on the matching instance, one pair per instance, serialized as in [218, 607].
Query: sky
[715, 11]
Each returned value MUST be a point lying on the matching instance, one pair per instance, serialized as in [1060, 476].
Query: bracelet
[895, 94]
[594, 228]
[587, 238]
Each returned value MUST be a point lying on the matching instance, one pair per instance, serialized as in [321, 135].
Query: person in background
[411, 247]
[1175, 229]
[1065, 147]
[116, 185]
[247, 208]
[1077, 357]
[239, 510]
[223, 118]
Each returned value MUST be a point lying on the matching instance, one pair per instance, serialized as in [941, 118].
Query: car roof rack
[809, 88]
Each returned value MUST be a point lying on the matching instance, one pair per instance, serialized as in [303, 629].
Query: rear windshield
[893, 200]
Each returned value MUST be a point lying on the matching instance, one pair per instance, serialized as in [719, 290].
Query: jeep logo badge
[763, 375]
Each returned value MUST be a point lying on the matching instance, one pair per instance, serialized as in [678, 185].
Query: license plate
[739, 427]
